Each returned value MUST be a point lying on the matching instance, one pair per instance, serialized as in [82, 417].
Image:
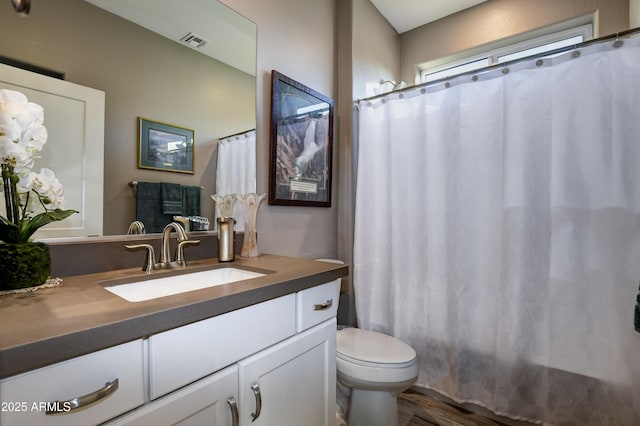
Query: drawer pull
[323, 306]
[63, 407]
[233, 405]
[256, 393]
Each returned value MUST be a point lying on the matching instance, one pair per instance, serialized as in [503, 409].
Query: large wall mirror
[139, 53]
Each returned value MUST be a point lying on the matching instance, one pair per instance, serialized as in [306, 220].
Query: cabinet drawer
[316, 304]
[26, 397]
[185, 354]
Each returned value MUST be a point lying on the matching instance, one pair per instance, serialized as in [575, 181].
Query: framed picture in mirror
[163, 146]
[301, 144]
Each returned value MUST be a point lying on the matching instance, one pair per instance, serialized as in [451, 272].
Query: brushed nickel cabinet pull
[323, 306]
[256, 393]
[68, 406]
[233, 405]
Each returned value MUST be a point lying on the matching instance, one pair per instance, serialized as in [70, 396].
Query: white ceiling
[405, 15]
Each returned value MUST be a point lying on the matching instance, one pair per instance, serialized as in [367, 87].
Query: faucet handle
[149, 260]
[180, 260]
[136, 227]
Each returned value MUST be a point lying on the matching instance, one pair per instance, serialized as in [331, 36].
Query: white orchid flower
[56, 195]
[21, 121]
[36, 198]
[33, 113]
[43, 181]
[35, 138]
[9, 129]
[11, 98]
[19, 108]
[16, 155]
[26, 182]
[47, 185]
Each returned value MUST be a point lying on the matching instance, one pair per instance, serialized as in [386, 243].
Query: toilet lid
[370, 346]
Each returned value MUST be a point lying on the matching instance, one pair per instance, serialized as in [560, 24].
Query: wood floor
[416, 409]
[420, 409]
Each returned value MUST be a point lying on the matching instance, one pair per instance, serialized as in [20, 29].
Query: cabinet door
[211, 401]
[292, 383]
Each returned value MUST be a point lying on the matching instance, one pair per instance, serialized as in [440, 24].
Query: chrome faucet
[165, 257]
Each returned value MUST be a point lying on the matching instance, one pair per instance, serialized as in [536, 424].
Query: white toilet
[372, 369]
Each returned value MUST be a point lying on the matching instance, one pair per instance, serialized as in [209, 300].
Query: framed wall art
[301, 144]
[163, 146]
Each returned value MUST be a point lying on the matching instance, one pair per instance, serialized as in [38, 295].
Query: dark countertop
[79, 317]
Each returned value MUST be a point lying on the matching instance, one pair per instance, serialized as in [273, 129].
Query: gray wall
[368, 51]
[376, 48]
[142, 74]
[298, 39]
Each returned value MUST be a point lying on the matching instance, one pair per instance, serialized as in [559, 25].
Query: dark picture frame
[163, 146]
[301, 144]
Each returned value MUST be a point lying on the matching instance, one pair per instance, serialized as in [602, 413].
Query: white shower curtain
[497, 231]
[236, 170]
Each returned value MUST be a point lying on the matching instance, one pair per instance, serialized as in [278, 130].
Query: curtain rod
[615, 36]
[237, 134]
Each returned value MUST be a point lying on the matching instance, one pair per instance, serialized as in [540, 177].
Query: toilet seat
[367, 347]
[370, 359]
[375, 364]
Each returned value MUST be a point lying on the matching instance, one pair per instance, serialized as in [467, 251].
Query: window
[549, 47]
[456, 69]
[509, 49]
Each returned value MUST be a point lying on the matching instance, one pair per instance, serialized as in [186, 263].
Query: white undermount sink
[175, 284]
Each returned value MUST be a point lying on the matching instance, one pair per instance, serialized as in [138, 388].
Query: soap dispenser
[226, 239]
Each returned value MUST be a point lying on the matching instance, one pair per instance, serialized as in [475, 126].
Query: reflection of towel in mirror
[191, 200]
[171, 198]
[149, 207]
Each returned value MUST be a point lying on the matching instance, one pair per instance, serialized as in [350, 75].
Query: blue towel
[171, 198]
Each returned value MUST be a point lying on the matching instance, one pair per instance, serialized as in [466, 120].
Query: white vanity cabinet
[271, 363]
[289, 384]
[103, 384]
[282, 353]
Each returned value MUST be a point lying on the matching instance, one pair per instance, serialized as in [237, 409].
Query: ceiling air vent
[193, 40]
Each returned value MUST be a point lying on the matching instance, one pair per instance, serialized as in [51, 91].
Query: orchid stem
[26, 204]
[9, 193]
[14, 199]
